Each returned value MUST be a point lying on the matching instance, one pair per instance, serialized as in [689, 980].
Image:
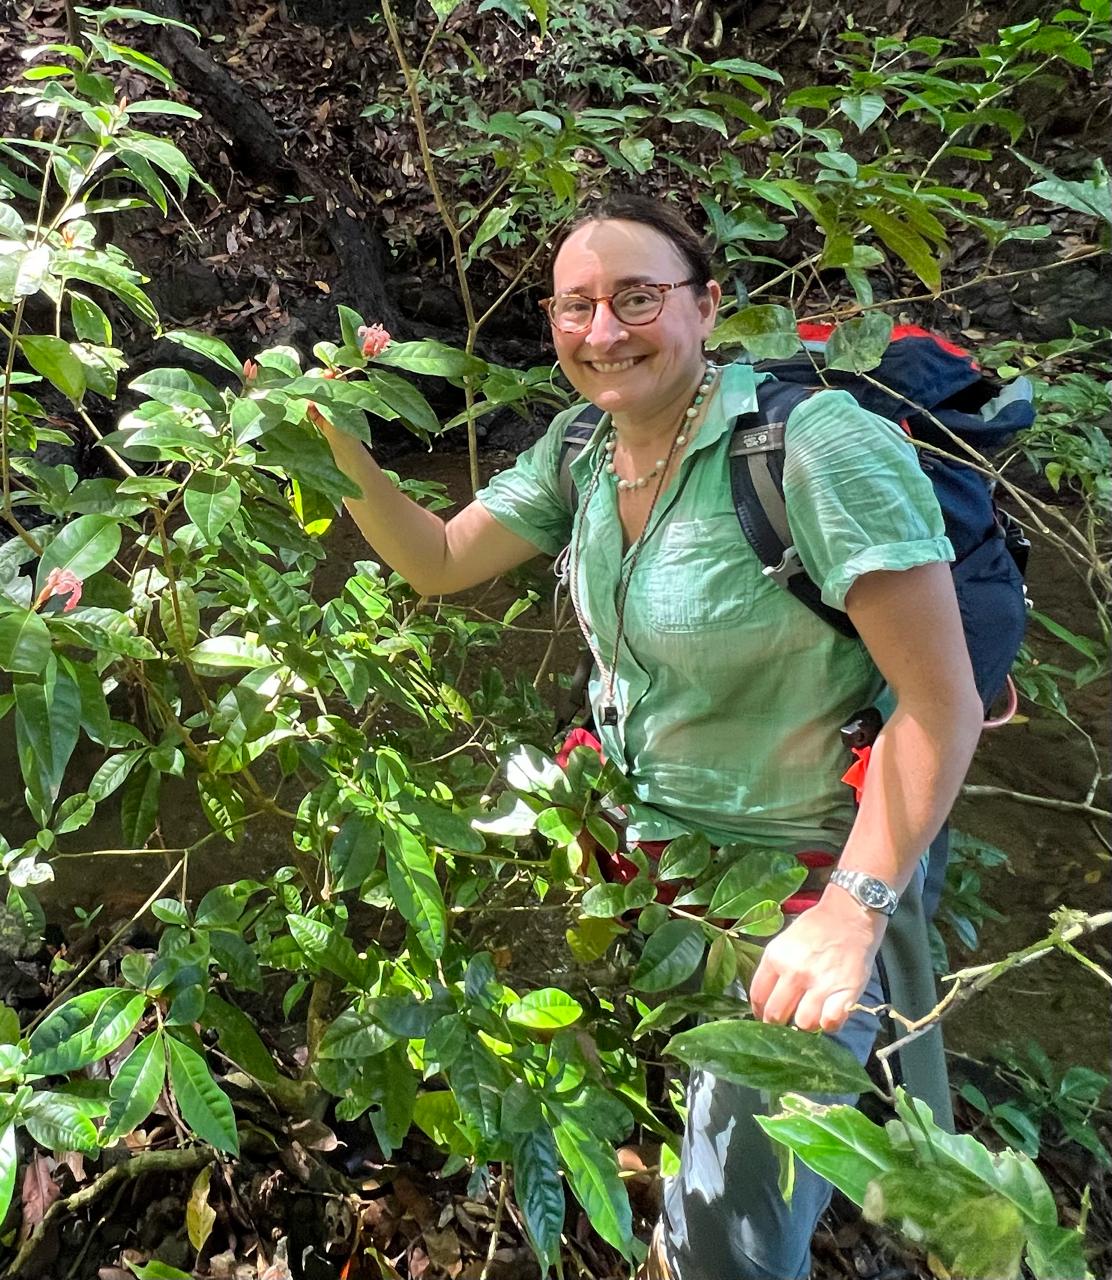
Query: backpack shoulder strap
[577, 435]
[757, 486]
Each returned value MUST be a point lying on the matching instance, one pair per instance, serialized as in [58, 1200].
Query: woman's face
[635, 372]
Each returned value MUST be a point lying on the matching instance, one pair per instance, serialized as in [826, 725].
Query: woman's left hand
[815, 971]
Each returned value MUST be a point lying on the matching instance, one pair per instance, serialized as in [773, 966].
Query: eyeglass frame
[545, 304]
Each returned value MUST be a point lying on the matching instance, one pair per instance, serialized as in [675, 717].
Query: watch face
[874, 893]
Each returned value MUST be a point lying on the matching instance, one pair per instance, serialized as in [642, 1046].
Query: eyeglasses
[636, 304]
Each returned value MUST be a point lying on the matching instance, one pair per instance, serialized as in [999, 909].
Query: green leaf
[765, 1056]
[325, 946]
[1056, 1253]
[157, 1271]
[686, 857]
[437, 1115]
[9, 1159]
[203, 1104]
[639, 152]
[907, 244]
[113, 772]
[203, 343]
[756, 877]
[593, 1173]
[24, 642]
[415, 889]
[89, 321]
[973, 1235]
[355, 1034]
[84, 547]
[59, 1122]
[838, 1142]
[238, 1039]
[545, 1010]
[698, 115]
[479, 1081]
[135, 1088]
[539, 1191]
[863, 110]
[211, 499]
[767, 332]
[608, 900]
[180, 614]
[219, 654]
[441, 826]
[84, 1029]
[429, 356]
[53, 358]
[139, 806]
[405, 399]
[671, 956]
[858, 345]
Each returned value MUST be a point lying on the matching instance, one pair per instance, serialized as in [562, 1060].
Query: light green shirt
[730, 693]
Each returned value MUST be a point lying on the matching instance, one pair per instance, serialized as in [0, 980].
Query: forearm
[916, 769]
[409, 538]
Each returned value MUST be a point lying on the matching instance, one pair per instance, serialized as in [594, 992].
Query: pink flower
[61, 582]
[250, 371]
[375, 340]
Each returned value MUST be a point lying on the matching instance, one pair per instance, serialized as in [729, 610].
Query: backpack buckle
[790, 564]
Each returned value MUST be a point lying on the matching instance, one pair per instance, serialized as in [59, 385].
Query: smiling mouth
[614, 366]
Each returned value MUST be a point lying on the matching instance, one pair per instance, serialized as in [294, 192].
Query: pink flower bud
[375, 340]
[61, 582]
[250, 371]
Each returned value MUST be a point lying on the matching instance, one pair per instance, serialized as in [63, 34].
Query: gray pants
[724, 1217]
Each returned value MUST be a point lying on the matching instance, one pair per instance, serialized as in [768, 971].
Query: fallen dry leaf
[39, 1193]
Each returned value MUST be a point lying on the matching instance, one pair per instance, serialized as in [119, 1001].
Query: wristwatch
[870, 892]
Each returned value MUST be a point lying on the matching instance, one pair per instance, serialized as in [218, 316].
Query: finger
[781, 1004]
[835, 1011]
[809, 1011]
[760, 988]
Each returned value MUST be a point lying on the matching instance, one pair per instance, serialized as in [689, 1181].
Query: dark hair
[634, 207]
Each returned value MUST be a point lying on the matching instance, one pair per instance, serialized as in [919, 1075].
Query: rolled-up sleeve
[857, 499]
[526, 497]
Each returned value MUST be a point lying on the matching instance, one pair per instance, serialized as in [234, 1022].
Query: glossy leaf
[83, 547]
[53, 358]
[355, 1034]
[24, 642]
[670, 957]
[9, 1159]
[203, 343]
[135, 1087]
[539, 1191]
[592, 1170]
[907, 244]
[203, 1104]
[755, 877]
[766, 1056]
[60, 1122]
[324, 945]
[211, 499]
[415, 889]
[546, 1010]
[84, 1029]
[429, 356]
[686, 857]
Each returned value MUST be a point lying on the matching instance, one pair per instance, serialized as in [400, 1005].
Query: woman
[719, 694]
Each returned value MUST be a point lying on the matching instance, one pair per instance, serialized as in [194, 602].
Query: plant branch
[175, 1161]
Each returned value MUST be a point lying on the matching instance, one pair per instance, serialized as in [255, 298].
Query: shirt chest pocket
[700, 575]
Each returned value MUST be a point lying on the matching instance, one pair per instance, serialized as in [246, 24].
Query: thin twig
[492, 1248]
